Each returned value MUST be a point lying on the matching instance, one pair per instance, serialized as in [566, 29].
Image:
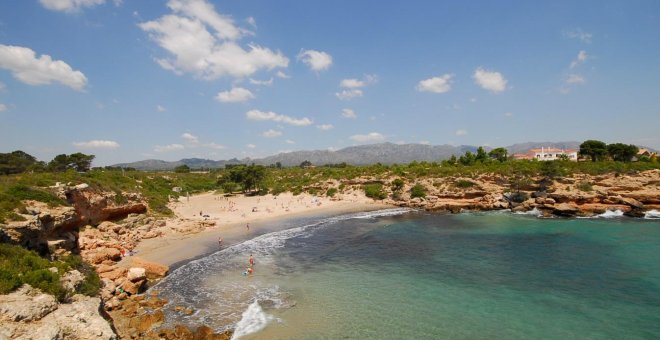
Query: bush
[463, 184]
[397, 184]
[519, 197]
[418, 190]
[585, 186]
[331, 192]
[374, 191]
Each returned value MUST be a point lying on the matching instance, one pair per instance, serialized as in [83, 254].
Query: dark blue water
[420, 275]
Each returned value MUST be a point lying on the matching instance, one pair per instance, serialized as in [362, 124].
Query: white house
[548, 154]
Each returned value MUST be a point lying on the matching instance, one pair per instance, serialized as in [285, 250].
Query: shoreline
[175, 249]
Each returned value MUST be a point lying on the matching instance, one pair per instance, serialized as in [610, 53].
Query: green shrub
[418, 190]
[278, 189]
[585, 186]
[464, 184]
[331, 192]
[374, 191]
[519, 197]
[397, 184]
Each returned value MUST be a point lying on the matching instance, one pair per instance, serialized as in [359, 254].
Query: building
[548, 154]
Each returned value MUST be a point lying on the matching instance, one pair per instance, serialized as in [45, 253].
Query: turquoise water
[421, 275]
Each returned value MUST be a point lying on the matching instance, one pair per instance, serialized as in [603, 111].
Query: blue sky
[130, 80]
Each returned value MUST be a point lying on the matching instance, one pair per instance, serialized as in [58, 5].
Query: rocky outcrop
[29, 314]
[578, 195]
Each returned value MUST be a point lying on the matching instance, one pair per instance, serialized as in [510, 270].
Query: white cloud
[160, 108]
[575, 79]
[3, 107]
[168, 148]
[203, 42]
[2, 86]
[271, 133]
[251, 21]
[348, 113]
[439, 84]
[69, 6]
[214, 146]
[349, 94]
[268, 82]
[288, 141]
[508, 114]
[370, 137]
[250, 146]
[97, 144]
[190, 138]
[581, 59]
[316, 60]
[282, 75]
[424, 142]
[579, 34]
[489, 80]
[352, 83]
[235, 95]
[461, 132]
[261, 115]
[325, 127]
[24, 66]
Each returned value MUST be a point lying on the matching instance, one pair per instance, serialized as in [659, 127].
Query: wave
[252, 320]
[652, 214]
[534, 212]
[611, 214]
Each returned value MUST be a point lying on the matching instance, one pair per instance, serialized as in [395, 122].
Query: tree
[77, 161]
[622, 152]
[499, 154]
[594, 149]
[481, 156]
[305, 164]
[182, 169]
[16, 162]
[467, 159]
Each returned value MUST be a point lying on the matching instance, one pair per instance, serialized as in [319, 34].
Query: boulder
[131, 287]
[565, 209]
[26, 304]
[72, 280]
[153, 270]
[136, 274]
[102, 254]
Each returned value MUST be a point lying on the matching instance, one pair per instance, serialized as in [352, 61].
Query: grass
[464, 184]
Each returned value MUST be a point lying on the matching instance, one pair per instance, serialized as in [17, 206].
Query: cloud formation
[27, 68]
[489, 80]
[348, 113]
[3, 107]
[575, 79]
[168, 148]
[579, 34]
[316, 60]
[325, 127]
[97, 144]
[271, 133]
[580, 59]
[235, 95]
[272, 116]
[69, 6]
[461, 132]
[439, 84]
[204, 43]
[349, 94]
[268, 82]
[190, 138]
[370, 137]
[160, 108]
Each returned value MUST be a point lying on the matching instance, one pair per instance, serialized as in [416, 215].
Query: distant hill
[385, 153]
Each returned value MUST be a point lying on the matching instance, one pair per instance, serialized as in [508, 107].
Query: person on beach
[247, 226]
[251, 261]
[220, 241]
[250, 270]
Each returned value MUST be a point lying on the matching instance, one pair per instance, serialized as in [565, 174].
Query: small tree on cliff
[622, 152]
[594, 149]
[499, 154]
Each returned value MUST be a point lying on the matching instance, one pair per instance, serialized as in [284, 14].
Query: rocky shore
[105, 233]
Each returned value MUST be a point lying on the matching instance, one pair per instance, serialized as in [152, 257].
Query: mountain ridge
[384, 153]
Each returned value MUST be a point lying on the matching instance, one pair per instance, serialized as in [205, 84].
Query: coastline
[175, 249]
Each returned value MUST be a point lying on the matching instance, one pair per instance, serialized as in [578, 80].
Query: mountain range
[384, 153]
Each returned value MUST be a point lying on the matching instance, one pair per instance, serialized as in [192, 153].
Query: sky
[128, 80]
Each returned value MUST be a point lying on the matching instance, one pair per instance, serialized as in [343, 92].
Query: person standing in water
[251, 261]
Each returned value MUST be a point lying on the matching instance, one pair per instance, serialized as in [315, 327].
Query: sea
[405, 274]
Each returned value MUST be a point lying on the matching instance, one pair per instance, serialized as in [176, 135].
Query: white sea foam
[652, 214]
[611, 214]
[533, 212]
[253, 320]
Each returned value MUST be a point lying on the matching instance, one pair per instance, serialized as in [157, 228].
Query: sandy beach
[229, 218]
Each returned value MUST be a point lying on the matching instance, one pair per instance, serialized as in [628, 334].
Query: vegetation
[585, 186]
[182, 169]
[374, 191]
[19, 266]
[594, 149]
[464, 184]
[418, 190]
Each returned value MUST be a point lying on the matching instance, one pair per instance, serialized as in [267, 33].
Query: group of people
[250, 268]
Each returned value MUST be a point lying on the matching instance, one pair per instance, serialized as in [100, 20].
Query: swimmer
[251, 260]
[249, 270]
